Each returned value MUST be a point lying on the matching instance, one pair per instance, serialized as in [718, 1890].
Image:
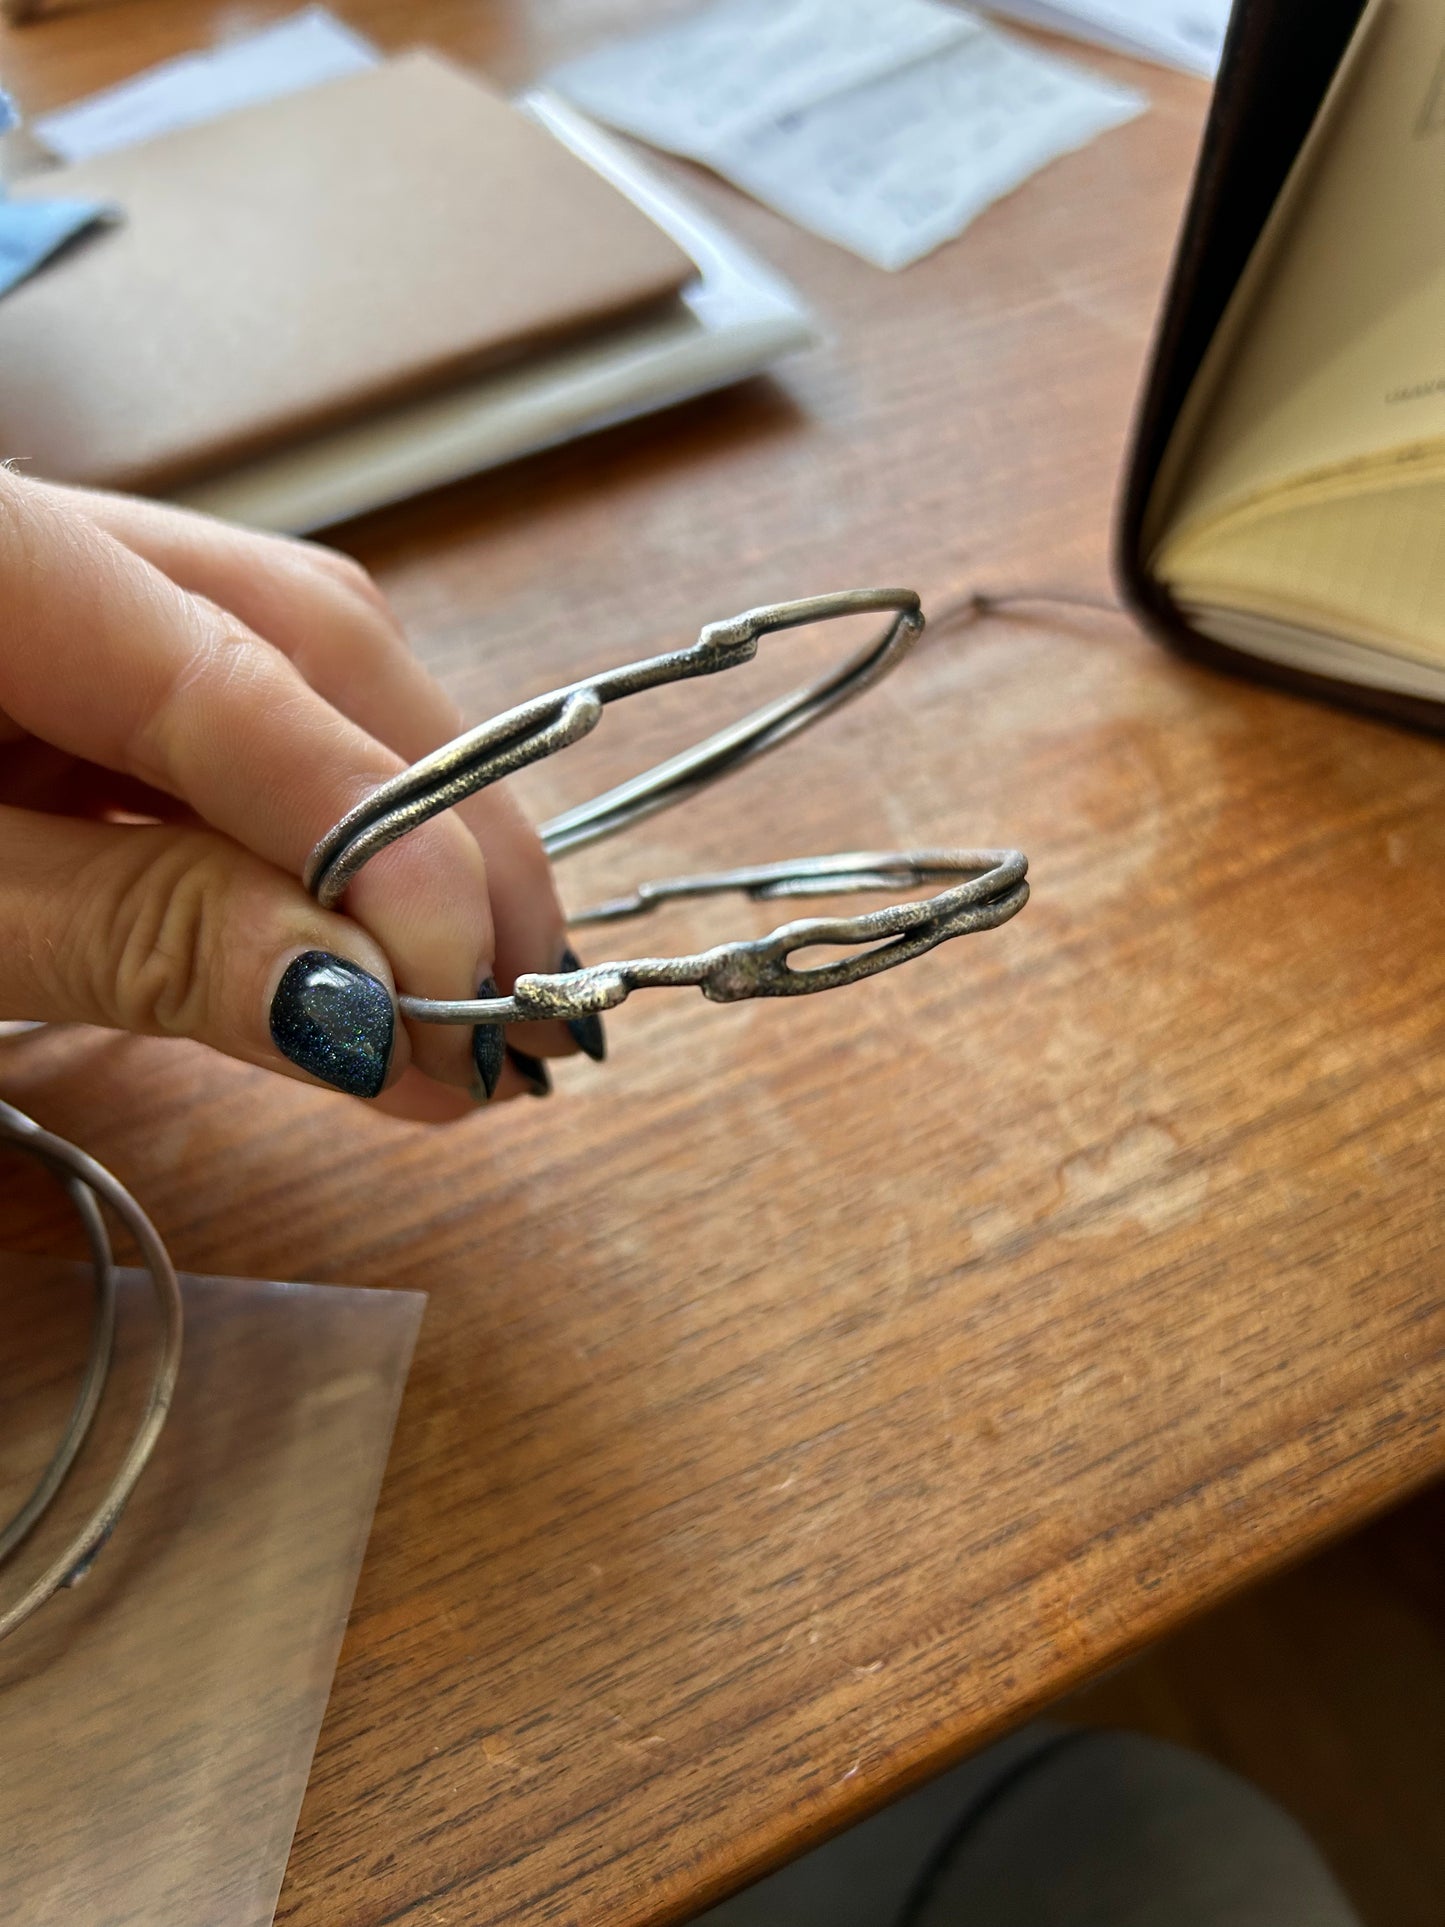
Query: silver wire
[89, 1185]
[986, 888]
[547, 723]
[993, 890]
[92, 1382]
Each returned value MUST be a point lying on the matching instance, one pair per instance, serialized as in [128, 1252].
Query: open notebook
[1291, 508]
[328, 300]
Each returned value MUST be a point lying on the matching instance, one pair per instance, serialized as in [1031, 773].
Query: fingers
[103, 656]
[323, 612]
[424, 1101]
[35, 776]
[180, 932]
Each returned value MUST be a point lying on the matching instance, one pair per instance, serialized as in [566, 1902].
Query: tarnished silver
[539, 728]
[991, 890]
[89, 1185]
[984, 889]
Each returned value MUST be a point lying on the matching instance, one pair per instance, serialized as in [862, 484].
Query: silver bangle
[983, 888]
[991, 891]
[988, 886]
[89, 1185]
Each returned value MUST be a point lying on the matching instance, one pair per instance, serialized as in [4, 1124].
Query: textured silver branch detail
[985, 887]
[992, 890]
[539, 728]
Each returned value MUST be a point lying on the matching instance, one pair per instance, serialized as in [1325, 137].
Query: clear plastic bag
[157, 1720]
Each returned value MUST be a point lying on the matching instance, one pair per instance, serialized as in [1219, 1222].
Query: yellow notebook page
[1366, 564]
[1329, 367]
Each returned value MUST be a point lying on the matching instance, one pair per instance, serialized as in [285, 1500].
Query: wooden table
[818, 1389]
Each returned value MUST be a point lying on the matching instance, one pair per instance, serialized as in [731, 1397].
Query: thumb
[178, 932]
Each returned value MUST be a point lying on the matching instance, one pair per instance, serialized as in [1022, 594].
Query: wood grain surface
[819, 1387]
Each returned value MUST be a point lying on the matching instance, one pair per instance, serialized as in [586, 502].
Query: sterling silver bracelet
[982, 889]
[89, 1185]
[987, 887]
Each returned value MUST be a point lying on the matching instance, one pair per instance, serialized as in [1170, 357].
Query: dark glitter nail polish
[489, 1045]
[586, 1032]
[539, 1081]
[336, 1021]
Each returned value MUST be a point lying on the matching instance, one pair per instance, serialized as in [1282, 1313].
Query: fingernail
[335, 1020]
[586, 1032]
[489, 1046]
[539, 1081]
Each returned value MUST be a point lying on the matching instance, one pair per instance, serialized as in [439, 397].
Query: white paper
[310, 47]
[886, 125]
[697, 84]
[1178, 33]
[896, 167]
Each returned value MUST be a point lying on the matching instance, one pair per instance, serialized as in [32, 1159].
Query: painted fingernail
[335, 1020]
[539, 1081]
[586, 1032]
[489, 1046]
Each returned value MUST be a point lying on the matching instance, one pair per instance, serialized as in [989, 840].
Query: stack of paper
[1176, 33]
[732, 319]
[311, 47]
[886, 125]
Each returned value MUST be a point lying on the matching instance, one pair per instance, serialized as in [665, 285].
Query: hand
[185, 708]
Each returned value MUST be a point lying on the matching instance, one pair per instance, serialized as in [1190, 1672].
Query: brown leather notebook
[1285, 494]
[295, 265]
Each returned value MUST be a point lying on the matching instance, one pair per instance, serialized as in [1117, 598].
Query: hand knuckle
[222, 659]
[358, 639]
[166, 908]
[357, 582]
